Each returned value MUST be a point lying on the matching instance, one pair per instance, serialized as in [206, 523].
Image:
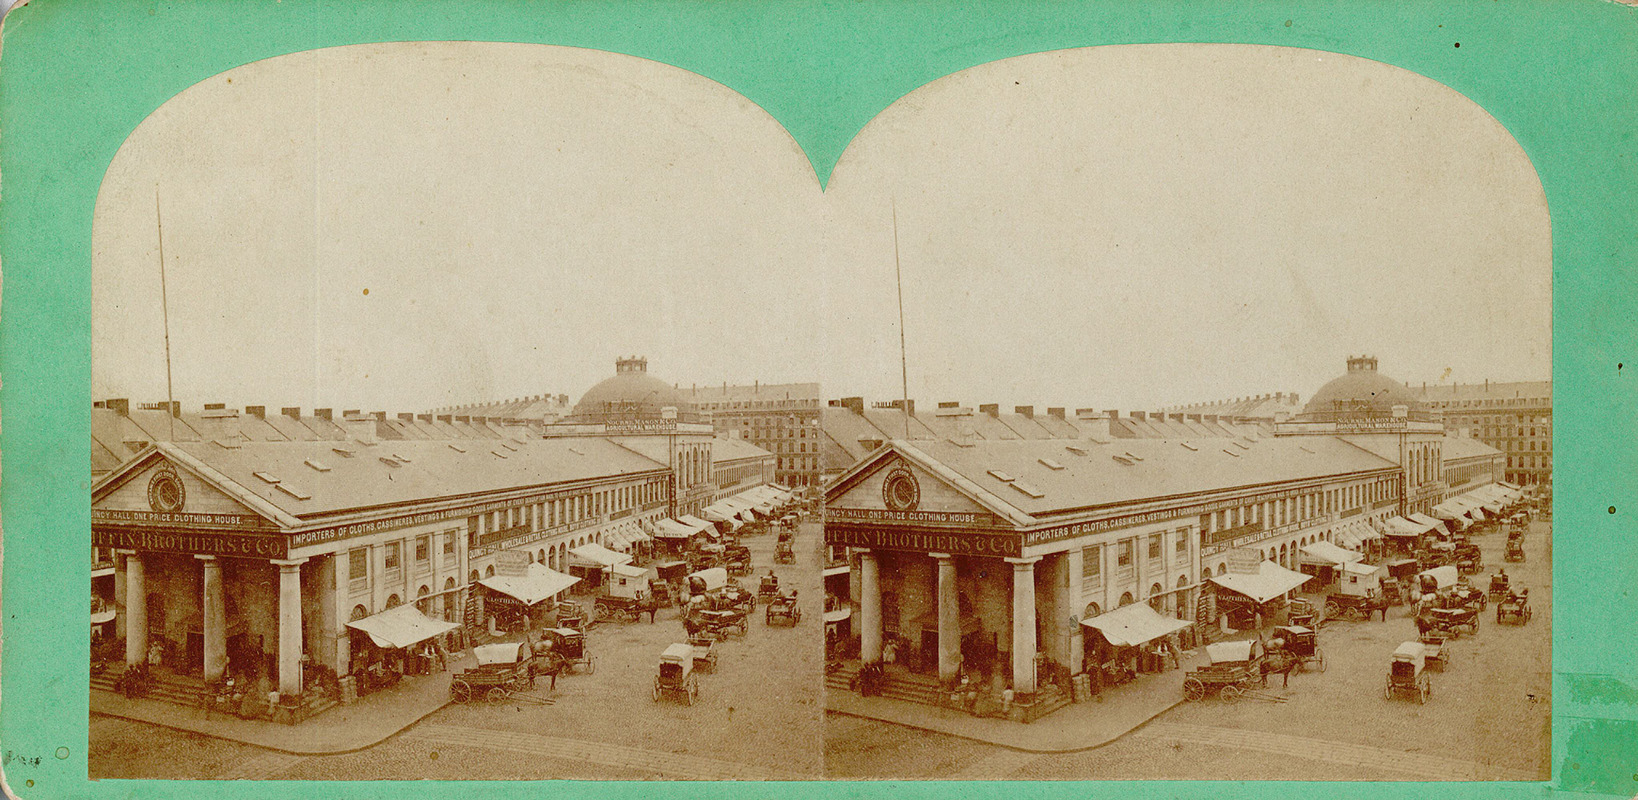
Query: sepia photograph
[455, 418]
[1191, 420]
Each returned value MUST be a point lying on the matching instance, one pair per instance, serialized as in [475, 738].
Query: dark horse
[1282, 663]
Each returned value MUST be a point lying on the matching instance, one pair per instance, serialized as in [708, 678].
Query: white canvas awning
[1271, 581]
[714, 578]
[1361, 568]
[538, 583]
[596, 555]
[671, 529]
[1445, 577]
[1354, 535]
[697, 525]
[401, 626]
[1323, 552]
[628, 571]
[1399, 526]
[500, 653]
[1430, 523]
[1133, 624]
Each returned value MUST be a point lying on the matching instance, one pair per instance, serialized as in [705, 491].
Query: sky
[403, 226]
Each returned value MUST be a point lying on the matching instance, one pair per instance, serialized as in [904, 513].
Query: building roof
[753, 392]
[1488, 391]
[419, 470]
[724, 449]
[631, 393]
[1361, 391]
[1455, 448]
[1043, 477]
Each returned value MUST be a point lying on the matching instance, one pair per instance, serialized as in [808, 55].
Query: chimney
[1487, 384]
[1139, 416]
[176, 408]
[324, 413]
[259, 412]
[1055, 412]
[293, 413]
[407, 417]
[853, 404]
[1027, 412]
[215, 406]
[379, 415]
[120, 406]
[446, 418]
[1091, 424]
[1293, 398]
[992, 409]
[423, 417]
[351, 412]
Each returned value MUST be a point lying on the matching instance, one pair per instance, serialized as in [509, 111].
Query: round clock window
[900, 491]
[165, 492]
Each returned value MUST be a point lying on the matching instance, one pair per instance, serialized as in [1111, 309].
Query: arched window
[422, 604]
[529, 555]
[1205, 574]
[1125, 599]
[473, 578]
[1182, 581]
[359, 612]
[394, 602]
[489, 571]
[1091, 611]
[542, 555]
[1222, 568]
[1157, 600]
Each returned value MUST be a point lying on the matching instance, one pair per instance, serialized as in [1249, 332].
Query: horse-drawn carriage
[1436, 648]
[736, 559]
[630, 595]
[1399, 584]
[705, 653]
[1354, 608]
[768, 588]
[501, 670]
[719, 624]
[1235, 668]
[1407, 673]
[1500, 586]
[783, 609]
[1301, 613]
[1515, 550]
[1300, 644]
[676, 678]
[570, 646]
[784, 553]
[570, 615]
[1450, 620]
[1514, 608]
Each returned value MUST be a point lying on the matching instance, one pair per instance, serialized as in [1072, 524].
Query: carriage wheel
[591, 665]
[1483, 602]
[1352, 615]
[693, 691]
[1427, 691]
[460, 692]
[1332, 609]
[496, 695]
[1193, 689]
[1231, 693]
[1387, 691]
[1320, 656]
[1527, 612]
[796, 617]
[768, 617]
[657, 691]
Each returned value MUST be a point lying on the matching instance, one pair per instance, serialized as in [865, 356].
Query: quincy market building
[1029, 558]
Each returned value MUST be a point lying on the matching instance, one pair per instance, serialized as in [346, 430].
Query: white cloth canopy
[401, 626]
[1354, 534]
[1229, 652]
[1271, 581]
[628, 571]
[671, 529]
[1323, 552]
[593, 554]
[1133, 624]
[697, 525]
[538, 583]
[714, 578]
[500, 653]
[1431, 523]
[1444, 576]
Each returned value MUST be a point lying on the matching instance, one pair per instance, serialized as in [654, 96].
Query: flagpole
[165, 308]
[904, 359]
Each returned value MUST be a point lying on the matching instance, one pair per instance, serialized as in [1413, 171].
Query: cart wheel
[1231, 693]
[1332, 610]
[1387, 691]
[1321, 656]
[1483, 602]
[591, 665]
[1427, 691]
[656, 690]
[460, 692]
[1352, 615]
[693, 692]
[1193, 689]
[796, 617]
[496, 695]
[768, 617]
[1527, 612]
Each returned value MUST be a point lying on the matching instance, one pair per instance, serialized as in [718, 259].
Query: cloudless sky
[404, 226]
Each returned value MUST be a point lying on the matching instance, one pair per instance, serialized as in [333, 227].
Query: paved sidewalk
[656, 763]
[342, 729]
[1078, 726]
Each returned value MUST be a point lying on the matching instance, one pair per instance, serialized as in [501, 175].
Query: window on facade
[1123, 556]
[358, 563]
[1182, 540]
[449, 543]
[392, 555]
[1154, 545]
[423, 548]
[1091, 563]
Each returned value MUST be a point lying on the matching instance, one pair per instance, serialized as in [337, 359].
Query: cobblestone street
[603, 725]
[1488, 718]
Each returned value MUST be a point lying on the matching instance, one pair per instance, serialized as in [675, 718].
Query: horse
[1281, 663]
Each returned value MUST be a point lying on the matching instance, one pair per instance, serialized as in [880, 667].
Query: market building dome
[631, 394]
[1362, 392]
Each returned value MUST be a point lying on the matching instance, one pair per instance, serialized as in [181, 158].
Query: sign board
[231, 545]
[1244, 562]
[640, 426]
[512, 563]
[998, 545]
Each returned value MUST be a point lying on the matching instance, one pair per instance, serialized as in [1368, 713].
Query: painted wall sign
[998, 545]
[180, 518]
[234, 545]
[889, 515]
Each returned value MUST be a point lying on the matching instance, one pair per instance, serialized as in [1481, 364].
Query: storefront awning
[500, 653]
[1133, 624]
[1430, 523]
[1271, 581]
[1323, 552]
[1445, 577]
[401, 626]
[1454, 511]
[628, 571]
[671, 529]
[1399, 526]
[697, 525]
[596, 555]
[538, 583]
[1354, 535]
[838, 615]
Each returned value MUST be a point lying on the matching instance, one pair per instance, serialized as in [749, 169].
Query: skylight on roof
[508, 446]
[1304, 448]
[1123, 460]
[1080, 451]
[959, 443]
[1191, 448]
[226, 444]
[342, 451]
[1096, 440]
[390, 462]
[576, 452]
[1000, 476]
[498, 454]
[1134, 458]
[267, 477]
[293, 492]
[457, 448]
[400, 458]
[1231, 452]
[1050, 464]
[320, 466]
[1028, 489]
